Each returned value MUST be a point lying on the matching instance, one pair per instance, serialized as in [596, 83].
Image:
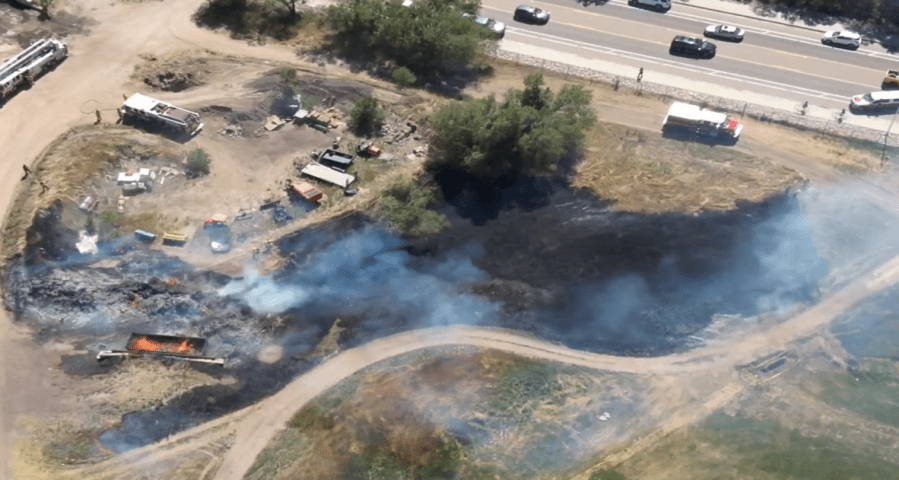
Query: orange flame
[147, 345]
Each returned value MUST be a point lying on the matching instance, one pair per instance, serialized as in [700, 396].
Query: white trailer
[28, 64]
[142, 108]
[701, 121]
[325, 174]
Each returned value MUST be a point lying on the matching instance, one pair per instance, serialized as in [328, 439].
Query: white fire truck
[141, 108]
[28, 64]
[701, 121]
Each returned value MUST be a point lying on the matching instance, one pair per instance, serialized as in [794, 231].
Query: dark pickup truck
[337, 160]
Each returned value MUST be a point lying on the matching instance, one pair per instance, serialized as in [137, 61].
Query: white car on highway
[875, 101]
[842, 39]
[725, 32]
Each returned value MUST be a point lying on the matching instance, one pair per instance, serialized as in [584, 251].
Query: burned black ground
[566, 268]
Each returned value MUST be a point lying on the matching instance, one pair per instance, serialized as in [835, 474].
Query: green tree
[290, 5]
[198, 163]
[403, 77]
[427, 35]
[525, 134]
[367, 114]
[44, 7]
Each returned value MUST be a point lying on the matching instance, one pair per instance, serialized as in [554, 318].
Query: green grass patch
[73, 447]
[740, 447]
[872, 393]
[521, 387]
[607, 475]
[312, 417]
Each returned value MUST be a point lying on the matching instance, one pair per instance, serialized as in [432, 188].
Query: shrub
[403, 77]
[367, 114]
[198, 163]
[405, 205]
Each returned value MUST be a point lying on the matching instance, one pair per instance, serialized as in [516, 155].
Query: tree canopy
[428, 34]
[525, 134]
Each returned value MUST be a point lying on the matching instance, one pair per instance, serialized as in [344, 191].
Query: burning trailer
[181, 348]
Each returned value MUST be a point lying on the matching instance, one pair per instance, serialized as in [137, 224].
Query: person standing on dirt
[99, 119]
[640, 75]
[27, 171]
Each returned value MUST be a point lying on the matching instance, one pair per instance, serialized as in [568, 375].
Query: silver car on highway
[725, 32]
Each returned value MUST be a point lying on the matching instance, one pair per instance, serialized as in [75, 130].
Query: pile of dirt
[174, 74]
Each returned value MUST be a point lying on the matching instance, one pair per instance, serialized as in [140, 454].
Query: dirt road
[269, 416]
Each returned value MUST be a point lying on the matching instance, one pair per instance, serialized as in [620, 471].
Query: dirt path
[265, 419]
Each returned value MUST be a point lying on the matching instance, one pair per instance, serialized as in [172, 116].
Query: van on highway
[873, 101]
[690, 46]
[659, 5]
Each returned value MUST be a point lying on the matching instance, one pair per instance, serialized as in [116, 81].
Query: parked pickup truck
[891, 80]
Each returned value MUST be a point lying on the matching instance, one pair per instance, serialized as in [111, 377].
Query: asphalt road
[774, 59]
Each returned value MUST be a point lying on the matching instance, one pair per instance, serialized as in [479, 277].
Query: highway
[774, 59]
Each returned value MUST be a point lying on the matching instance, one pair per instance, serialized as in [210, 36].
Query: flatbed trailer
[182, 348]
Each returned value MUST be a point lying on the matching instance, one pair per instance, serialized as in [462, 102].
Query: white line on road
[676, 65]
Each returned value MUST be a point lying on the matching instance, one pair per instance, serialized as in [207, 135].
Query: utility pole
[886, 137]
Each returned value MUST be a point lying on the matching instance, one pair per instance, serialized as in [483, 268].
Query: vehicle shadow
[687, 135]
[152, 128]
[880, 112]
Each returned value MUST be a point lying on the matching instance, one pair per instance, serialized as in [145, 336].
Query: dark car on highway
[529, 14]
[692, 47]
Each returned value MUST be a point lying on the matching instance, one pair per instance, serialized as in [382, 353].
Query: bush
[405, 205]
[198, 163]
[403, 77]
[525, 134]
[367, 114]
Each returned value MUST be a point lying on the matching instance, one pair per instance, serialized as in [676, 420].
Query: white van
[875, 101]
[656, 4]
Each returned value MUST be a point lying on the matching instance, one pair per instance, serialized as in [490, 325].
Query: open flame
[147, 345]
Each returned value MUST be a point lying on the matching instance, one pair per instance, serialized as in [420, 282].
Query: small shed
[217, 218]
[307, 191]
[145, 236]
